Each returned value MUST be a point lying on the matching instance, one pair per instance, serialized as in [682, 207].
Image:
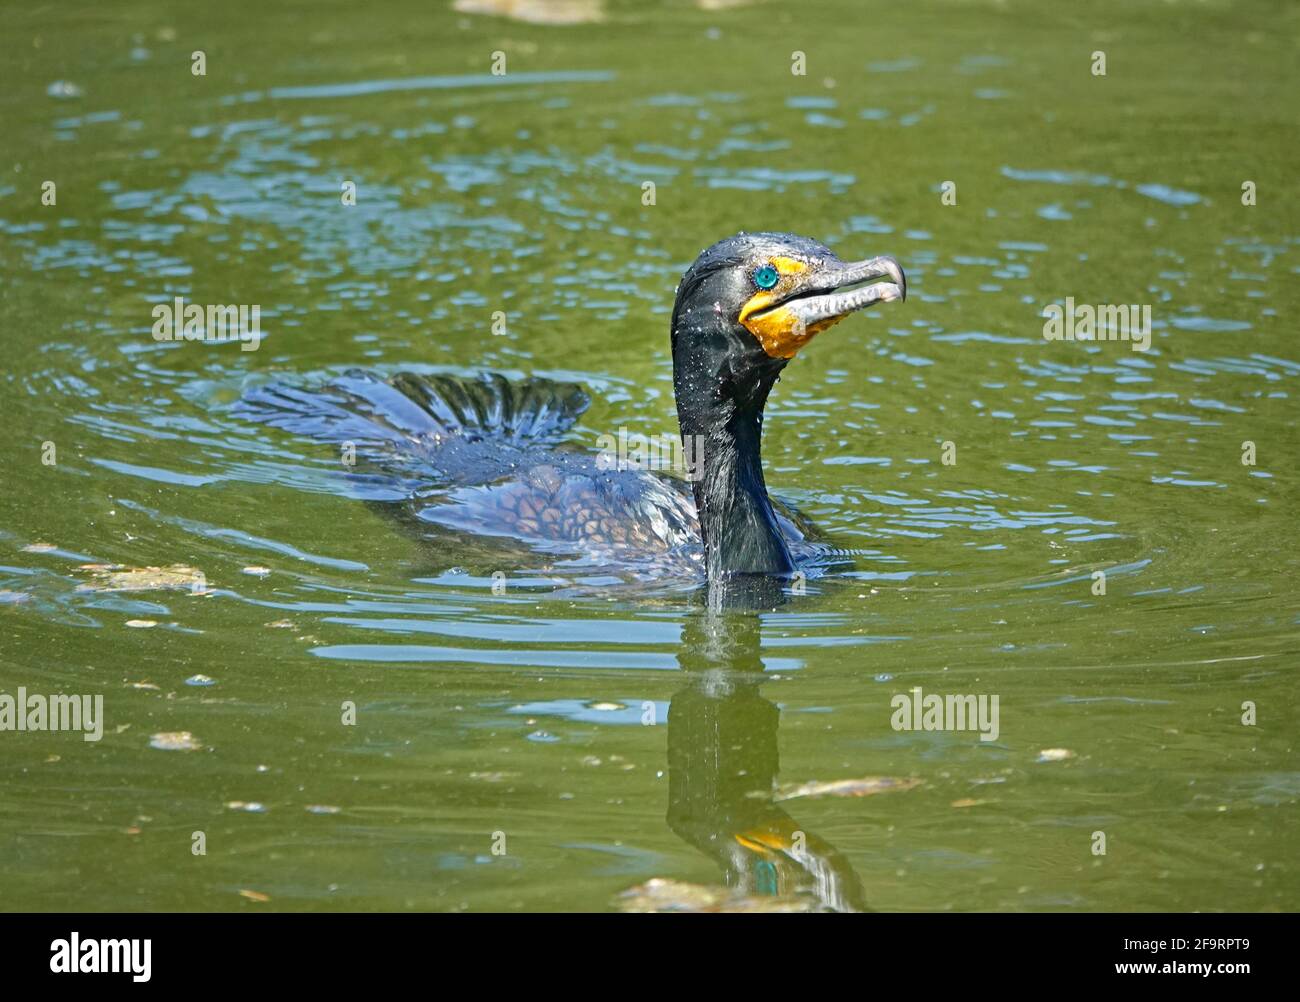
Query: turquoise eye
[766, 277]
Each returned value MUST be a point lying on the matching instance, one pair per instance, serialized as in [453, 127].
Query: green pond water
[554, 743]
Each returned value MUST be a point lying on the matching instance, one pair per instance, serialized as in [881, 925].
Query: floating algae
[536, 11]
[118, 577]
[846, 787]
[175, 741]
[661, 895]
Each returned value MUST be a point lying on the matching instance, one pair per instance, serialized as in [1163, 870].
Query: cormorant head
[743, 310]
[749, 303]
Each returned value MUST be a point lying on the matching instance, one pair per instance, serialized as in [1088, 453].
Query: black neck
[722, 437]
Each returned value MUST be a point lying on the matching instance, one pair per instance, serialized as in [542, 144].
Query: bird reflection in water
[723, 761]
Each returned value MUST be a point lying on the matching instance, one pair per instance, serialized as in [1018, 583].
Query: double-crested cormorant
[484, 455]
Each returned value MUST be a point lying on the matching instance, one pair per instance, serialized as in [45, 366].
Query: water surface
[616, 732]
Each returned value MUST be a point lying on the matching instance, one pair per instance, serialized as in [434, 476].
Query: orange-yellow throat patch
[781, 333]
